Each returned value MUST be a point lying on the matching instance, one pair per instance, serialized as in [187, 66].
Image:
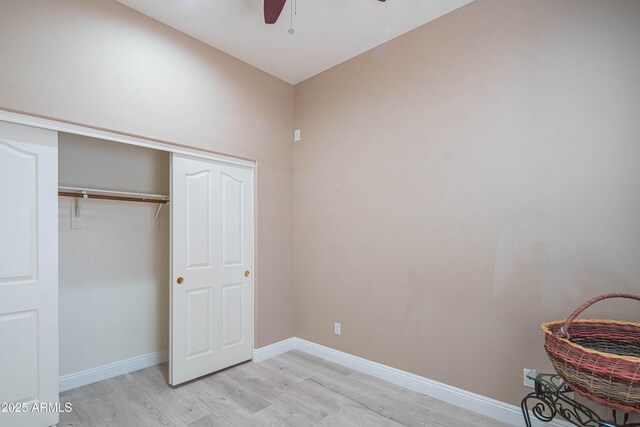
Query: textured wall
[101, 64]
[467, 181]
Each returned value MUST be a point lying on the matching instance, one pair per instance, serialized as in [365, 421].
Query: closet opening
[114, 257]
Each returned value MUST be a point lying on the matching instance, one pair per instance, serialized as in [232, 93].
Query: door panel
[231, 220]
[232, 315]
[198, 233]
[212, 248]
[23, 357]
[19, 248]
[198, 325]
[28, 272]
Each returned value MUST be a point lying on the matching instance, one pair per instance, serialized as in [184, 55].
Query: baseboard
[272, 350]
[483, 405]
[110, 370]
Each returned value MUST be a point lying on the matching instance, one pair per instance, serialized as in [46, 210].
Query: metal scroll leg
[525, 410]
[543, 409]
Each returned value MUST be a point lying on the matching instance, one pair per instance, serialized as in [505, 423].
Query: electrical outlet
[296, 135]
[337, 328]
[527, 381]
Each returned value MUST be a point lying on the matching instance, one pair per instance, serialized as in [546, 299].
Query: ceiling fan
[273, 8]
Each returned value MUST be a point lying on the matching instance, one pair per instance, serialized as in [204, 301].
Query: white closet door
[28, 273]
[212, 274]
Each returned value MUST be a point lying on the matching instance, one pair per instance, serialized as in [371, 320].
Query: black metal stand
[553, 398]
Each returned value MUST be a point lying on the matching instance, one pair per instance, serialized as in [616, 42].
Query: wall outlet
[528, 382]
[337, 328]
[296, 135]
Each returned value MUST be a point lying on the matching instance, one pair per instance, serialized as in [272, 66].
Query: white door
[212, 267]
[28, 275]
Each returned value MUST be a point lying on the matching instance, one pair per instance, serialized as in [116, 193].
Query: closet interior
[113, 253]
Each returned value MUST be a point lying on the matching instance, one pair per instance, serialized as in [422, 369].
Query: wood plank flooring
[293, 389]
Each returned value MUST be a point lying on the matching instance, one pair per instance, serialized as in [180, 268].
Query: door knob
[247, 273]
[180, 280]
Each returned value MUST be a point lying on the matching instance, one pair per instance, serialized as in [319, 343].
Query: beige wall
[467, 181]
[101, 64]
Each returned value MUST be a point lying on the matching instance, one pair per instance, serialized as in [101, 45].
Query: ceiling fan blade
[272, 10]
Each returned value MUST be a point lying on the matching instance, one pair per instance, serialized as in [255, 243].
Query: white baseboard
[267, 352]
[88, 376]
[483, 405]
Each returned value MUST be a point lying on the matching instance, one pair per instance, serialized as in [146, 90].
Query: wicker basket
[599, 359]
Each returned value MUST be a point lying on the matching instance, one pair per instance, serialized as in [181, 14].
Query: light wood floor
[293, 389]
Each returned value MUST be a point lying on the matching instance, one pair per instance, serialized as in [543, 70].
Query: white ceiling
[327, 32]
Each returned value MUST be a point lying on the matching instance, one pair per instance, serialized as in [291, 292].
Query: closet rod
[104, 197]
[89, 193]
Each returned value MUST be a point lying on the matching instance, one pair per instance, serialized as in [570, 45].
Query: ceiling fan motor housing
[273, 9]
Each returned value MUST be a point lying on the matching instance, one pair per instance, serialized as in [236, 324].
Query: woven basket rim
[545, 329]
